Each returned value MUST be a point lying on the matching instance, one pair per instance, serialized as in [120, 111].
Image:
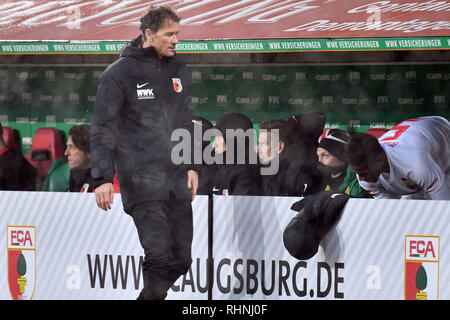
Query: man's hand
[104, 195]
[192, 182]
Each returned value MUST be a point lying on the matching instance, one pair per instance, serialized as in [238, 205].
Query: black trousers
[165, 232]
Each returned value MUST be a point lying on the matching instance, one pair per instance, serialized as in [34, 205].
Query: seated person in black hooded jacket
[280, 147]
[237, 170]
[78, 155]
[16, 173]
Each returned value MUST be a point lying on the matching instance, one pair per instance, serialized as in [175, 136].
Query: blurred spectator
[410, 160]
[16, 173]
[237, 174]
[296, 174]
[78, 153]
[336, 174]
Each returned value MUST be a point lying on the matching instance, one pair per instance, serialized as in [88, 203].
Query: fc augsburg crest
[421, 267]
[21, 261]
[177, 86]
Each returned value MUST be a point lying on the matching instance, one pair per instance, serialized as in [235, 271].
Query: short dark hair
[362, 149]
[80, 136]
[286, 129]
[156, 16]
[1, 131]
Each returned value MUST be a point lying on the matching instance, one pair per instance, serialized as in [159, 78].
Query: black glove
[318, 214]
[301, 237]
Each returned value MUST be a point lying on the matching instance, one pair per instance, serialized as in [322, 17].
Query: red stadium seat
[11, 138]
[46, 147]
[376, 132]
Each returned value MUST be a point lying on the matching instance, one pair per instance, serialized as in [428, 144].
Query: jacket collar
[5, 149]
[134, 48]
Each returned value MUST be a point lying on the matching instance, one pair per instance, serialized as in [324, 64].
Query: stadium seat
[376, 132]
[58, 177]
[57, 181]
[11, 138]
[47, 146]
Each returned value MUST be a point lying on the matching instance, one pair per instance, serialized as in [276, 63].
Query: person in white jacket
[412, 160]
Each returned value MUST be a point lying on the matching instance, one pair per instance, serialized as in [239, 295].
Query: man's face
[165, 39]
[268, 148]
[76, 158]
[219, 145]
[327, 158]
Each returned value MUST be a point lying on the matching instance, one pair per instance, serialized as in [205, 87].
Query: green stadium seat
[58, 175]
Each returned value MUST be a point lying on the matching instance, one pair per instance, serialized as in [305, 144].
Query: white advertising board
[74, 250]
[61, 246]
[374, 252]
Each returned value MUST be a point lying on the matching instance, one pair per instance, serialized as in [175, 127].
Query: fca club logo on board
[421, 267]
[21, 261]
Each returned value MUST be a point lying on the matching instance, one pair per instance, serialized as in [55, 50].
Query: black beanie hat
[334, 141]
[233, 121]
[236, 121]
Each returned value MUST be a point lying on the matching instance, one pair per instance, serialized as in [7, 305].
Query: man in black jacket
[16, 173]
[237, 171]
[296, 174]
[141, 99]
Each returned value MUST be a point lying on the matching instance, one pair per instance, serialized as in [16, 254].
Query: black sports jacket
[141, 99]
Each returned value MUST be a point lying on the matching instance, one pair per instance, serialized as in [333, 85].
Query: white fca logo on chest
[144, 93]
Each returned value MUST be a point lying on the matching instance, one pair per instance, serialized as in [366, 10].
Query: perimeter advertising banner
[61, 246]
[380, 249]
[237, 46]
[100, 20]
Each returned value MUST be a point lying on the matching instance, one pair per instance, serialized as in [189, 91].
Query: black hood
[304, 151]
[310, 125]
[236, 121]
[304, 147]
